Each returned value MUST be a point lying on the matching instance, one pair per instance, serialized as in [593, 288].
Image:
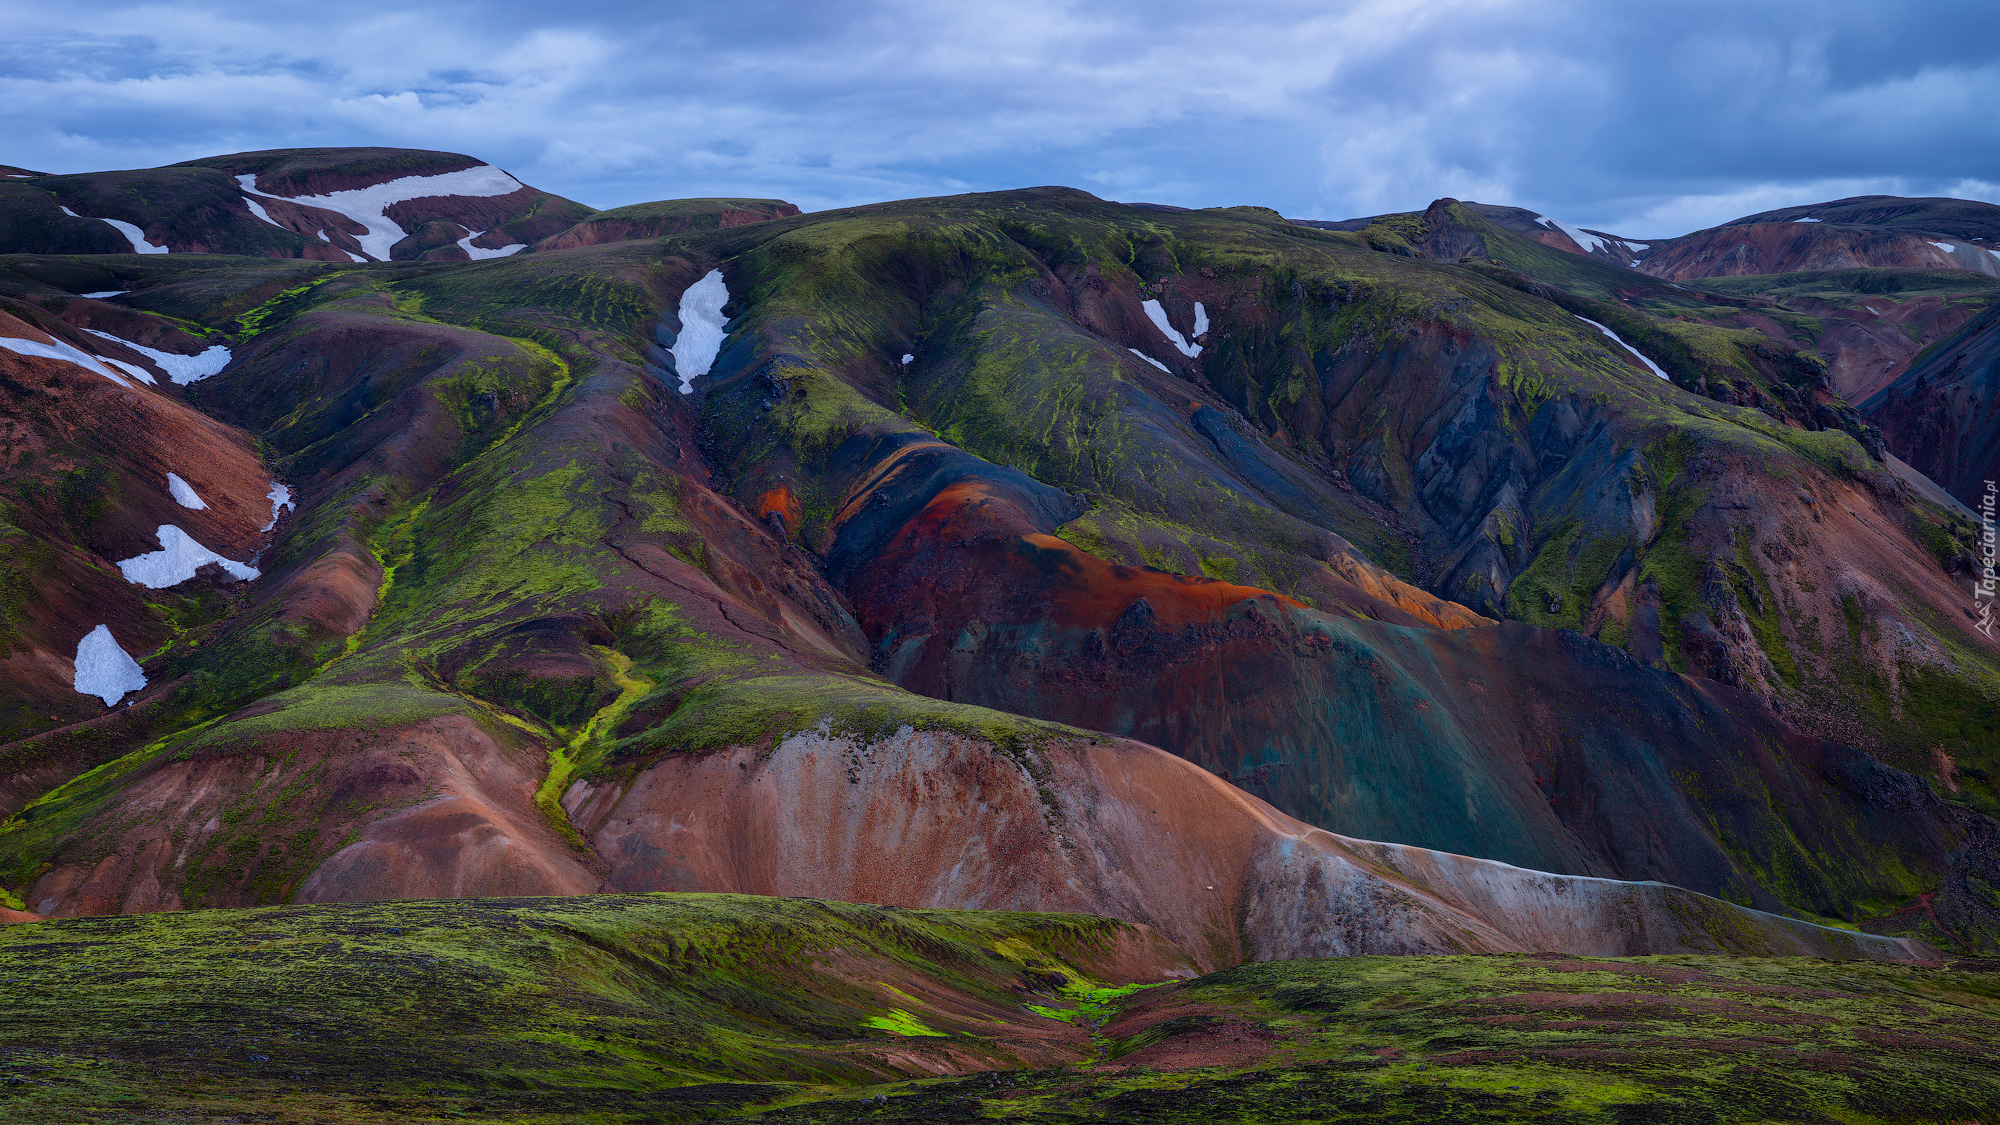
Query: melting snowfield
[176, 561]
[366, 205]
[1577, 235]
[183, 492]
[65, 353]
[1151, 360]
[132, 233]
[702, 328]
[104, 669]
[182, 369]
[106, 293]
[1650, 365]
[280, 497]
[1158, 316]
[479, 252]
[257, 209]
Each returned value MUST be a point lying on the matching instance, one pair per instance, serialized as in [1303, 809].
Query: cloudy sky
[1642, 117]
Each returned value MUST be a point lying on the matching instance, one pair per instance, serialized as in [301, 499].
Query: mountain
[1269, 591]
[333, 205]
[1942, 410]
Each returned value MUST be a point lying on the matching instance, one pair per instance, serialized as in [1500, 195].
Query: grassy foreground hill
[664, 1008]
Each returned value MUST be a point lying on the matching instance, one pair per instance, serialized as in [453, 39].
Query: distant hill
[335, 205]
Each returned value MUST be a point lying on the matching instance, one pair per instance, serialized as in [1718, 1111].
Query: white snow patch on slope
[176, 561]
[353, 257]
[907, 357]
[132, 234]
[257, 209]
[103, 293]
[479, 252]
[104, 669]
[1150, 359]
[182, 369]
[1808, 219]
[183, 492]
[1158, 316]
[1947, 247]
[132, 369]
[366, 205]
[1650, 365]
[136, 237]
[64, 352]
[1576, 234]
[1200, 321]
[702, 328]
[281, 498]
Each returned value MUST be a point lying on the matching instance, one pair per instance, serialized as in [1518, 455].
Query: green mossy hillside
[668, 1008]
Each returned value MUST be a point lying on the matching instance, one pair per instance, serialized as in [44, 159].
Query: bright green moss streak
[899, 1022]
[286, 303]
[562, 761]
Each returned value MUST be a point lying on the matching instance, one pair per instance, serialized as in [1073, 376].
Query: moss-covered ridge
[633, 1008]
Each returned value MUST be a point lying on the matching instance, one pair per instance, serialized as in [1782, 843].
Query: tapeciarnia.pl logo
[1983, 588]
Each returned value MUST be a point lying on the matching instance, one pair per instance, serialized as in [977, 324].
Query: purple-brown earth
[1448, 583]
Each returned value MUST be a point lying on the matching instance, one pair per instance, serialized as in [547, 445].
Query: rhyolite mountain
[337, 205]
[1423, 588]
[1868, 282]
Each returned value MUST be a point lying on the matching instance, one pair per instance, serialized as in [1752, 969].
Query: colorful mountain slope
[1942, 410]
[539, 611]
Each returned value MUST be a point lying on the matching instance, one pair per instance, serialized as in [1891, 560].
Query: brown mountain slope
[340, 205]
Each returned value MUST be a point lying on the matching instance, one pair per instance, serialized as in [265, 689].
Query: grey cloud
[1648, 119]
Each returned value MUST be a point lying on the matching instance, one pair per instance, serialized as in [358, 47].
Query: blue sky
[1647, 119]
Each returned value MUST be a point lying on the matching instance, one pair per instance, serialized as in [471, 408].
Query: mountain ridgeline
[381, 527]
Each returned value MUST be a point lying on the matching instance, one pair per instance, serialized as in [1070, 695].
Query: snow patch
[257, 209]
[1650, 365]
[1158, 316]
[702, 328]
[132, 369]
[132, 234]
[1947, 247]
[1150, 359]
[366, 205]
[176, 561]
[101, 295]
[64, 352]
[136, 237]
[104, 669]
[183, 492]
[1808, 219]
[182, 369]
[907, 357]
[1577, 235]
[1200, 321]
[281, 499]
[479, 252]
